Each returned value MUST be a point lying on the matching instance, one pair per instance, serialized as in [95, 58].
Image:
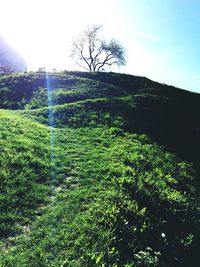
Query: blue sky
[168, 35]
[161, 37]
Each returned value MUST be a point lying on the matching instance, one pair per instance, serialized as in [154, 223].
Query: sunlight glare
[42, 31]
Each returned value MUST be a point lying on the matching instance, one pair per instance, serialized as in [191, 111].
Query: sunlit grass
[80, 188]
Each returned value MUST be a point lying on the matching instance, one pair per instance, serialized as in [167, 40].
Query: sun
[39, 30]
[42, 30]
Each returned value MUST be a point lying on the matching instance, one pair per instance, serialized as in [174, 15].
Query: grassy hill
[98, 169]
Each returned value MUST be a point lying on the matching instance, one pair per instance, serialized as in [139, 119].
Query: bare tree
[6, 69]
[93, 53]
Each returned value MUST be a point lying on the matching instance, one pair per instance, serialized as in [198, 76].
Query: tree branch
[80, 49]
[95, 53]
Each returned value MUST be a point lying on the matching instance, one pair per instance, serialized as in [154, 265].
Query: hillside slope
[98, 169]
[169, 115]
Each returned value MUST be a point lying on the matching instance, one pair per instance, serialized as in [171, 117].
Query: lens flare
[51, 125]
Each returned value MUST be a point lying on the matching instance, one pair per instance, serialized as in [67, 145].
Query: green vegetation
[99, 170]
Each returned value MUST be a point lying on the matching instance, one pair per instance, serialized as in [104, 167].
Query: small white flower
[163, 235]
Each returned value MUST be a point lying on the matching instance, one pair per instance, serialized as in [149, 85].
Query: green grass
[94, 190]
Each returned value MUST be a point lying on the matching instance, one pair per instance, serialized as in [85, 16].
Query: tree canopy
[94, 53]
